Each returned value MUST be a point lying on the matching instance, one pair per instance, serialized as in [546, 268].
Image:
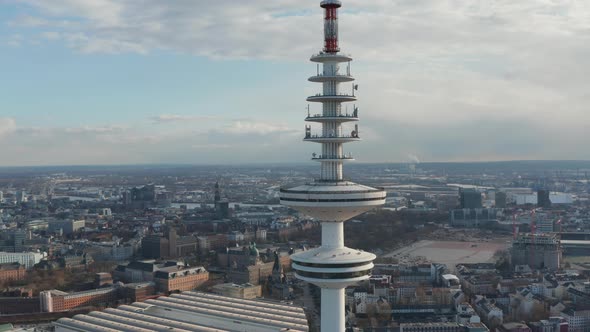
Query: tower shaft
[331, 170]
[331, 199]
[333, 302]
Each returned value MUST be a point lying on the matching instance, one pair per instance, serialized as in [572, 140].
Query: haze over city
[126, 82]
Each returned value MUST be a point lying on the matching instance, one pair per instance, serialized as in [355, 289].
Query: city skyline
[105, 82]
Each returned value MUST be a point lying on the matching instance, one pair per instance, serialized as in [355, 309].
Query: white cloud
[95, 130]
[173, 118]
[211, 146]
[116, 144]
[441, 79]
[257, 128]
[51, 35]
[15, 40]
[278, 29]
[7, 126]
[29, 21]
[102, 13]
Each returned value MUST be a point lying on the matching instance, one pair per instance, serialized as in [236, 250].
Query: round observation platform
[331, 139]
[331, 3]
[331, 78]
[324, 57]
[342, 98]
[339, 118]
[332, 158]
[333, 268]
[332, 201]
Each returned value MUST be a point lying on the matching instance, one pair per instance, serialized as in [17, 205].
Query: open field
[450, 252]
[577, 262]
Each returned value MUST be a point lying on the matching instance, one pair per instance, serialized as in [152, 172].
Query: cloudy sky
[202, 81]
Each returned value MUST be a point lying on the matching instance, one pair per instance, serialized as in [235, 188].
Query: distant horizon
[299, 163]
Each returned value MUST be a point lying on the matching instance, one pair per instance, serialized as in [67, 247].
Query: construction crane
[514, 226]
[534, 235]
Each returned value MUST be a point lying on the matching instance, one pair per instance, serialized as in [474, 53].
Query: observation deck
[338, 118]
[342, 97]
[332, 201]
[331, 139]
[332, 158]
[333, 3]
[333, 267]
[330, 57]
[321, 78]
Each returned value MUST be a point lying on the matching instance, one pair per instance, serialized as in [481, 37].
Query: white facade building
[67, 226]
[255, 218]
[110, 251]
[561, 198]
[28, 259]
[466, 314]
[523, 198]
[578, 320]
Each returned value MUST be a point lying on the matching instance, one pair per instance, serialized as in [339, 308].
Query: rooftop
[192, 311]
[10, 266]
[170, 272]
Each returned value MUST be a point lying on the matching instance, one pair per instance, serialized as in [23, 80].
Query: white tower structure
[331, 199]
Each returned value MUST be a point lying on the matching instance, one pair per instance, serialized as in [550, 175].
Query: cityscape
[265, 242]
[462, 246]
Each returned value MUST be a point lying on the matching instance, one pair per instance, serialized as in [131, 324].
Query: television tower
[331, 199]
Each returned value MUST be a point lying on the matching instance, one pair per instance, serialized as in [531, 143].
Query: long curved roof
[192, 311]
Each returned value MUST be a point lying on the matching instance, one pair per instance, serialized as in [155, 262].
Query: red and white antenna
[331, 25]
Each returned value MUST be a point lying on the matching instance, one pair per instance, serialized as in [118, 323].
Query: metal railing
[315, 116]
[330, 136]
[349, 156]
[287, 191]
[331, 75]
[333, 95]
[325, 54]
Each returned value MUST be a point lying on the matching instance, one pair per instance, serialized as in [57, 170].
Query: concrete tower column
[333, 315]
[333, 235]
